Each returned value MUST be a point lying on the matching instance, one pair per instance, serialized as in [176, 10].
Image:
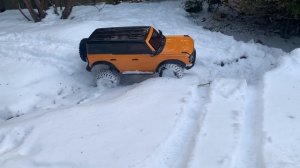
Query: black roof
[134, 33]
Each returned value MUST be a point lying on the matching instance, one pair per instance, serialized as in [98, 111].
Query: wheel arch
[112, 66]
[171, 61]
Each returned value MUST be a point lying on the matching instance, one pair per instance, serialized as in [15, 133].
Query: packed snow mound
[220, 114]
[281, 96]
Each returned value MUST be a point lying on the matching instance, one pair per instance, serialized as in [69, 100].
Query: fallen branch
[204, 84]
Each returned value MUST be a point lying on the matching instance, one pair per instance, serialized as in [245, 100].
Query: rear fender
[111, 66]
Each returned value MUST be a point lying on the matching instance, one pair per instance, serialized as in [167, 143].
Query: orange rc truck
[131, 50]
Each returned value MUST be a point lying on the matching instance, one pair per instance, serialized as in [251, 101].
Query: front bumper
[192, 59]
[88, 68]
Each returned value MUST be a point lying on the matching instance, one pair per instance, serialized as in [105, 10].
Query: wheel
[107, 78]
[82, 49]
[171, 70]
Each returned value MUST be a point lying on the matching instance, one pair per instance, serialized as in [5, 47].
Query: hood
[178, 44]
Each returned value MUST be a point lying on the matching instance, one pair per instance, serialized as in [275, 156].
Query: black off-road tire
[171, 70]
[83, 50]
[107, 78]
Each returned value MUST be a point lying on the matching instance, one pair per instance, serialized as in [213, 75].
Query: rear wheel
[107, 78]
[171, 70]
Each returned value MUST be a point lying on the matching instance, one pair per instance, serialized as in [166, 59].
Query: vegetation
[282, 14]
[193, 6]
[37, 8]
[2, 6]
[288, 9]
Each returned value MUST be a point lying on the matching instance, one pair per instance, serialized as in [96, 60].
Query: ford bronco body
[131, 50]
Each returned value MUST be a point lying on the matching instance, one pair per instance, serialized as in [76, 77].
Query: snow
[225, 108]
[104, 123]
[53, 115]
[281, 113]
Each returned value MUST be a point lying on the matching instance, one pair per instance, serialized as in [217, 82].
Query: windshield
[156, 40]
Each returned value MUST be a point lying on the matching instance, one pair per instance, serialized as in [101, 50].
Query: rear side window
[119, 48]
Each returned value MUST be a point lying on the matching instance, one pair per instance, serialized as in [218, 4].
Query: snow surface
[52, 115]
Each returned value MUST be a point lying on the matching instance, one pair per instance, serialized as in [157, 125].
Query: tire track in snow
[176, 150]
[198, 126]
[249, 151]
[217, 139]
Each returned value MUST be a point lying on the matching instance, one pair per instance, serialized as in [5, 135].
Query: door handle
[113, 59]
[135, 59]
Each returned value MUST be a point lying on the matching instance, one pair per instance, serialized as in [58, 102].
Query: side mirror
[160, 32]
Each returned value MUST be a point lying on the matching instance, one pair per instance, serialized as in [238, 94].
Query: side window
[139, 48]
[132, 48]
[119, 48]
[102, 48]
[155, 40]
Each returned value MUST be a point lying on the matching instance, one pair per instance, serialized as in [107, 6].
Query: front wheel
[171, 70]
[108, 78]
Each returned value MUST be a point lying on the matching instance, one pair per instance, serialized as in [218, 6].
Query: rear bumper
[192, 59]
